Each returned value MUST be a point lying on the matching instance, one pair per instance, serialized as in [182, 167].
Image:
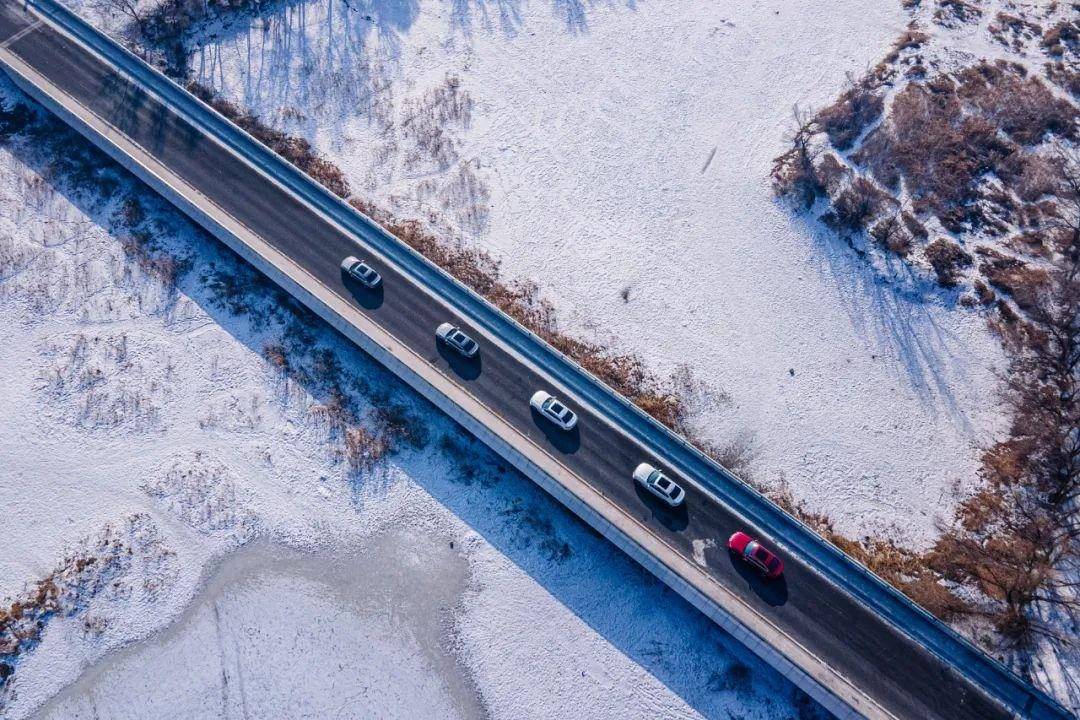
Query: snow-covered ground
[144, 426]
[618, 154]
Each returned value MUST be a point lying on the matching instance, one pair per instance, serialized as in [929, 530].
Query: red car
[753, 552]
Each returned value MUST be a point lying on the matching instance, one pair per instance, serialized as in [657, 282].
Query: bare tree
[793, 173]
[1017, 540]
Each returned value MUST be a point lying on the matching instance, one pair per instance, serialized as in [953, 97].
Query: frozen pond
[280, 634]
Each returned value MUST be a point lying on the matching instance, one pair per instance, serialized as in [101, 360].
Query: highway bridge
[854, 644]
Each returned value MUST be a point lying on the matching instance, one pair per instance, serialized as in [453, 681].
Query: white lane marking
[25, 31]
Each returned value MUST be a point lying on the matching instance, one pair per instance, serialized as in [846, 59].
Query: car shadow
[673, 518]
[566, 442]
[465, 368]
[369, 298]
[774, 592]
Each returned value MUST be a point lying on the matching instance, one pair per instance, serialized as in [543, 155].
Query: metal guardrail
[998, 681]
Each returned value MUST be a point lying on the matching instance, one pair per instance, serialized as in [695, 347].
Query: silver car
[659, 484]
[455, 338]
[545, 404]
[361, 272]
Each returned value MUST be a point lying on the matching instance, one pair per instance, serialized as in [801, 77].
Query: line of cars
[553, 410]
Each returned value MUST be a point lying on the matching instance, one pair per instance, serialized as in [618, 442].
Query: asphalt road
[897, 672]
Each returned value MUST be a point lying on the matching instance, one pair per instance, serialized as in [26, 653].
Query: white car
[553, 410]
[361, 272]
[455, 338]
[659, 484]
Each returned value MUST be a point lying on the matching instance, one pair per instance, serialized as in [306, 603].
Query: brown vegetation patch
[1064, 76]
[363, 448]
[855, 206]
[1013, 30]
[1027, 285]
[967, 148]
[1062, 37]
[953, 13]
[946, 258]
[854, 111]
[139, 246]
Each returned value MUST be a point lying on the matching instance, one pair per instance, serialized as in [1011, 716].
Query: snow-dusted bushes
[128, 560]
[972, 150]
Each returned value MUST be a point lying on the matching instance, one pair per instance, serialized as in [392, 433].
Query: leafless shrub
[139, 247]
[793, 173]
[893, 235]
[945, 136]
[830, 174]
[1012, 30]
[855, 109]
[1031, 175]
[983, 293]
[1019, 105]
[398, 424]
[915, 228]
[939, 151]
[363, 448]
[946, 258]
[334, 413]
[952, 13]
[1025, 284]
[1061, 37]
[736, 454]
[875, 154]
[1015, 538]
[468, 197]
[97, 565]
[858, 204]
[1064, 76]
[426, 120]
[275, 353]
[910, 39]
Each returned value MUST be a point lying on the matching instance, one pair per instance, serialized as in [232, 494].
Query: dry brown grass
[945, 137]
[138, 246]
[1025, 284]
[858, 205]
[364, 448]
[946, 258]
[1062, 37]
[846, 119]
[1063, 76]
[953, 13]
